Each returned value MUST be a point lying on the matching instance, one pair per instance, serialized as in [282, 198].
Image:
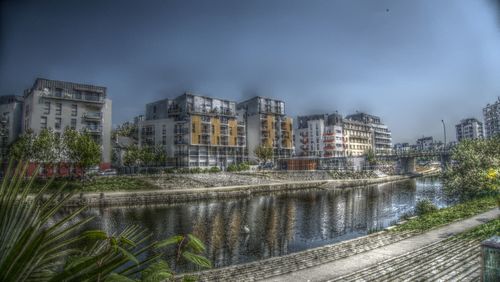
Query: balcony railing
[93, 129]
[92, 115]
[75, 97]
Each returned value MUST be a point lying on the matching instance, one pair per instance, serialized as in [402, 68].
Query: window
[58, 92]
[46, 109]
[193, 127]
[73, 123]
[78, 95]
[58, 109]
[27, 112]
[164, 140]
[58, 123]
[43, 122]
[74, 110]
[213, 129]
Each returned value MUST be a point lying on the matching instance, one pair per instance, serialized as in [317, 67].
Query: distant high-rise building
[381, 138]
[11, 113]
[59, 105]
[492, 119]
[425, 143]
[267, 125]
[194, 130]
[319, 135]
[469, 128]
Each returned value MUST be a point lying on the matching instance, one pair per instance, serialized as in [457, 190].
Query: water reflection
[278, 223]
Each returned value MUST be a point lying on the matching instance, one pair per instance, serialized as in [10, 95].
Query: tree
[264, 153]
[81, 149]
[370, 157]
[474, 168]
[132, 156]
[22, 148]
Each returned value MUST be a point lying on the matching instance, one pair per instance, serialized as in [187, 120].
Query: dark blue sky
[411, 62]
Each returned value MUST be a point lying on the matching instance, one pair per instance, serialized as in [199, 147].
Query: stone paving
[449, 260]
[435, 255]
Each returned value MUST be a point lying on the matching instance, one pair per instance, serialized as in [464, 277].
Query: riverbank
[166, 196]
[344, 258]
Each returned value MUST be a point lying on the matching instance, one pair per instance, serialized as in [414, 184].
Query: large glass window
[46, 109]
[58, 109]
[58, 123]
[43, 122]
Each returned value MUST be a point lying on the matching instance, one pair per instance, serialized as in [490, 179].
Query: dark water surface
[280, 223]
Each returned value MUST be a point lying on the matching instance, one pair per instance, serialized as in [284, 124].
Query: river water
[253, 228]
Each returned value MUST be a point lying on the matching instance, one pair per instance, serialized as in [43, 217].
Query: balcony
[181, 131]
[92, 115]
[75, 97]
[93, 129]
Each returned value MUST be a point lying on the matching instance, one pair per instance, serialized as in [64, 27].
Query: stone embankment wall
[165, 196]
[268, 268]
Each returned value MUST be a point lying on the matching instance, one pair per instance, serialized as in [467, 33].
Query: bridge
[406, 159]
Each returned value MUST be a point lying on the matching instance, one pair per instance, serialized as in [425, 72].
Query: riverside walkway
[430, 256]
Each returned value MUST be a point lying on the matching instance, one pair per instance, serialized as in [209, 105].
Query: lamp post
[444, 130]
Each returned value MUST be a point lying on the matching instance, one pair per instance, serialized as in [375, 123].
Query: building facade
[267, 125]
[381, 137]
[425, 143]
[196, 131]
[358, 137]
[491, 115]
[11, 113]
[469, 128]
[59, 105]
[319, 136]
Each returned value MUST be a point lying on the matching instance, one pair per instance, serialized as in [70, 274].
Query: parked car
[107, 172]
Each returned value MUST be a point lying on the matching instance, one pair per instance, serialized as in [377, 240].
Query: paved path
[357, 262]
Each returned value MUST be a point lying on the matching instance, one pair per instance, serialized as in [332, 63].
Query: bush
[238, 167]
[424, 207]
[214, 169]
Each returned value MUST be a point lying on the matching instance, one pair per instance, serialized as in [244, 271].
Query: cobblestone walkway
[448, 260]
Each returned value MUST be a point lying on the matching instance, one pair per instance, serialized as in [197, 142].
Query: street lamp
[444, 130]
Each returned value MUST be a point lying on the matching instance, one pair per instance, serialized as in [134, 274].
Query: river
[253, 228]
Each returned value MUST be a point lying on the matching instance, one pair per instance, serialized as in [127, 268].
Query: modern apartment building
[425, 143]
[319, 136]
[492, 119]
[59, 105]
[267, 125]
[197, 131]
[11, 113]
[469, 128]
[358, 137]
[380, 133]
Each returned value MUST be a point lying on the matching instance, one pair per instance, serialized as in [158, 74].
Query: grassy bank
[483, 231]
[99, 184]
[448, 215]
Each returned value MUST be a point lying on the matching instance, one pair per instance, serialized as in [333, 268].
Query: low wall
[195, 194]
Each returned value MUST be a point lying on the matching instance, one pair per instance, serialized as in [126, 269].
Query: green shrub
[233, 168]
[214, 169]
[424, 207]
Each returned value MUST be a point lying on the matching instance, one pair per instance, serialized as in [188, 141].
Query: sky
[413, 63]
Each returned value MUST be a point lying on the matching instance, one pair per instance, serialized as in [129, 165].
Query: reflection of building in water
[279, 223]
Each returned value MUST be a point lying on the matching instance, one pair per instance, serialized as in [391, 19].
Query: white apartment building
[194, 130]
[469, 128]
[492, 119]
[319, 136]
[267, 125]
[11, 110]
[59, 105]
[381, 137]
